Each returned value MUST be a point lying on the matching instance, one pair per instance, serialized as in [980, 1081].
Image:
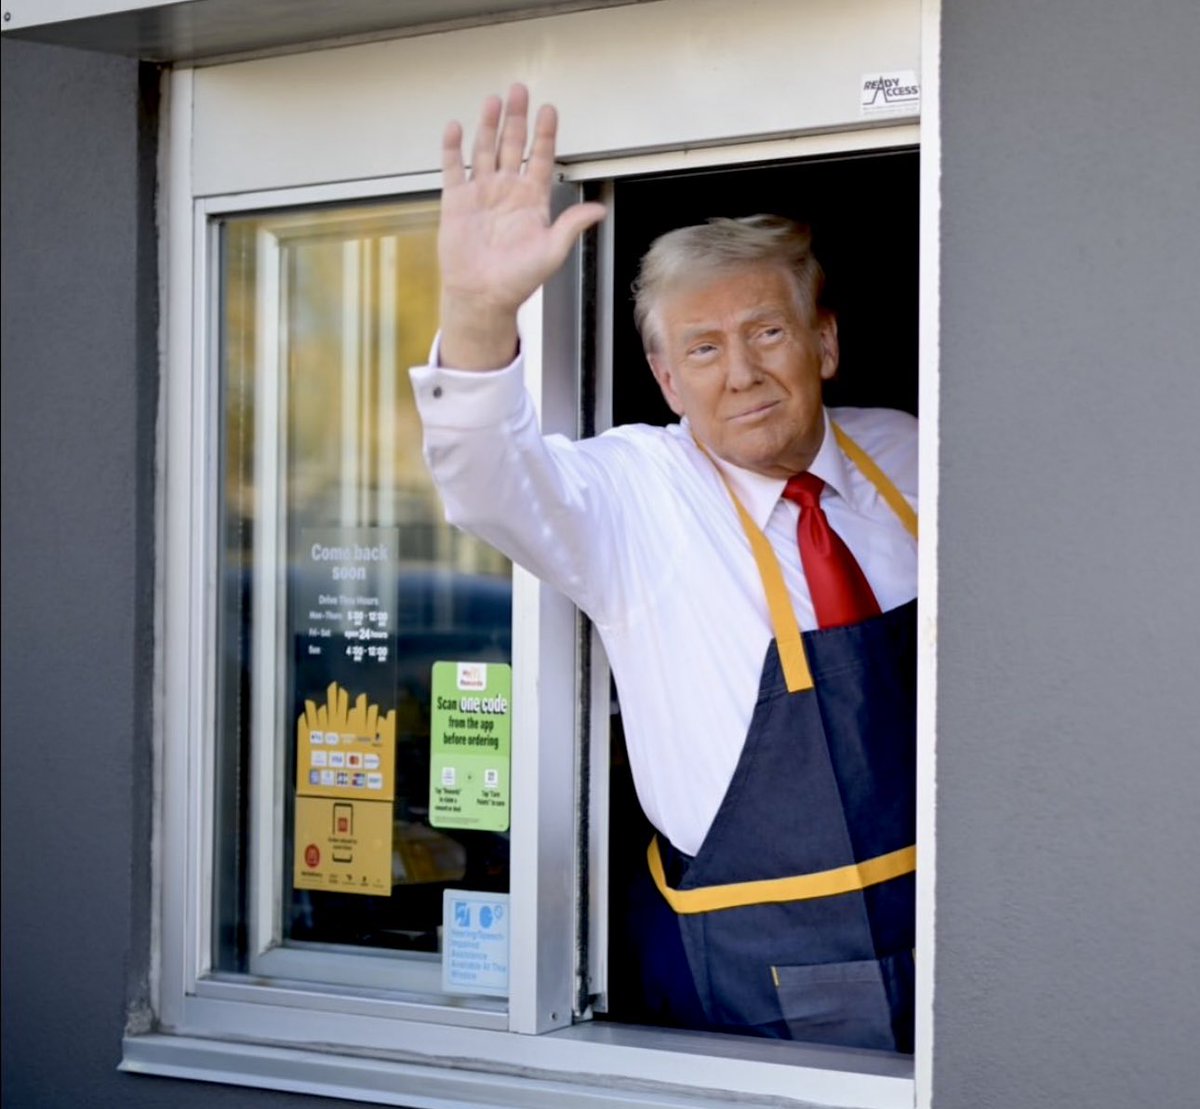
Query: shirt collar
[760, 494]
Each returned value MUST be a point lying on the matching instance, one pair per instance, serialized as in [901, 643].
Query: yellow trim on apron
[801, 887]
[783, 617]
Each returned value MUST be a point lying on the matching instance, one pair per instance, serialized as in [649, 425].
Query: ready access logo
[895, 93]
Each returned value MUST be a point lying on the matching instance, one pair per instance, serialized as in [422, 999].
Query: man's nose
[743, 368]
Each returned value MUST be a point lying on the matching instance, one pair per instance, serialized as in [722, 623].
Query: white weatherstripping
[597, 734]
[711, 157]
[927, 572]
[174, 299]
[176, 865]
[267, 763]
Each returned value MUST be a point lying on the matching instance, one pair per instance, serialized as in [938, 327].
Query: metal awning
[197, 30]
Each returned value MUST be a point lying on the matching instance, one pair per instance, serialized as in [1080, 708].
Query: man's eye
[702, 350]
[771, 333]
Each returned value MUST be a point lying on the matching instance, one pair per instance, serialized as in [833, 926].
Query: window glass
[340, 585]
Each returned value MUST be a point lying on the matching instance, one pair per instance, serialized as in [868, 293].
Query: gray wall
[1068, 902]
[1068, 966]
[79, 396]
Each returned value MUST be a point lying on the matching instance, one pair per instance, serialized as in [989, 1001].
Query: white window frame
[542, 957]
[398, 972]
[223, 1028]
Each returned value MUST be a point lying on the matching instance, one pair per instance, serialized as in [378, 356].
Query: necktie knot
[804, 490]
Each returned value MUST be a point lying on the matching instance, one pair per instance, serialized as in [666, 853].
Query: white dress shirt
[637, 528]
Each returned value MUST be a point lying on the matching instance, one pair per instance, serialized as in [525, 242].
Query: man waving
[751, 570]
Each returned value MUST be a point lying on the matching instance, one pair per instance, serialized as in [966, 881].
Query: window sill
[588, 1066]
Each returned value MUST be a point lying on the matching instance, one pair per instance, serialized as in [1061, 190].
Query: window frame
[542, 958]
[212, 1027]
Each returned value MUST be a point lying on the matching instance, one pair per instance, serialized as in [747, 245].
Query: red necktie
[840, 591]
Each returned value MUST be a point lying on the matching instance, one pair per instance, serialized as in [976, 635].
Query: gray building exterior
[1068, 718]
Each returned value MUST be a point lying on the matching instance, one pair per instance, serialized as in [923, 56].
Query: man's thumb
[572, 223]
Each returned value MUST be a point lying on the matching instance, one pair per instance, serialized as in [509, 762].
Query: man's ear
[666, 382]
[827, 333]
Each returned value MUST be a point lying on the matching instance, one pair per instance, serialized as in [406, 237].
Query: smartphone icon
[343, 819]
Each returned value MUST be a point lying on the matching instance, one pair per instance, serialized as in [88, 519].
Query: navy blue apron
[796, 917]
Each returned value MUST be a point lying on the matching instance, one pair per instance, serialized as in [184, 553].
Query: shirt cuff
[466, 399]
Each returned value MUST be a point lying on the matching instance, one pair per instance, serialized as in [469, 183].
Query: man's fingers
[483, 160]
[452, 163]
[541, 153]
[515, 129]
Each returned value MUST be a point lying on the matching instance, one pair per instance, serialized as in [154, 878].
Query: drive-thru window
[394, 805]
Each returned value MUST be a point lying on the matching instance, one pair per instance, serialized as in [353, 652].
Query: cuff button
[437, 391]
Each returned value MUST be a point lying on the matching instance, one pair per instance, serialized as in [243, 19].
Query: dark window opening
[863, 211]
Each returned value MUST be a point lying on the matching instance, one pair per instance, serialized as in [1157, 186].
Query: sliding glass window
[339, 828]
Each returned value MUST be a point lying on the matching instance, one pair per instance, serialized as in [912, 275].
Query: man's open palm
[496, 244]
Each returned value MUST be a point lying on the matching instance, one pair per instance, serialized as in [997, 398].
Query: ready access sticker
[895, 93]
[475, 942]
[470, 732]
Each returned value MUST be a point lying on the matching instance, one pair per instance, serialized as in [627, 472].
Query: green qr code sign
[470, 734]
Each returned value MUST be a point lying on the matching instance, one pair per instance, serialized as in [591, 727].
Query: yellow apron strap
[884, 484]
[783, 617]
[802, 887]
[792, 658]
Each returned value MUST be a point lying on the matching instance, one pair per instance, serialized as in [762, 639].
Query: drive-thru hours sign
[470, 729]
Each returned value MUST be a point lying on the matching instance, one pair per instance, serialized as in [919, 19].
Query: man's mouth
[755, 413]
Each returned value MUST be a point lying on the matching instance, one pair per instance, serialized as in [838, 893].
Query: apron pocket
[867, 1003]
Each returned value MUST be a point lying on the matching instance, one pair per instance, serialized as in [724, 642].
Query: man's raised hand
[496, 244]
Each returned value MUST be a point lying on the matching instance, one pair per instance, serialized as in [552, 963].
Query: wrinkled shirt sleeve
[545, 502]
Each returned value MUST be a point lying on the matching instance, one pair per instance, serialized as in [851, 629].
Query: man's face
[738, 356]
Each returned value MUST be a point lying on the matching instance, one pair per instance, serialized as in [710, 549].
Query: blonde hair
[720, 243]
